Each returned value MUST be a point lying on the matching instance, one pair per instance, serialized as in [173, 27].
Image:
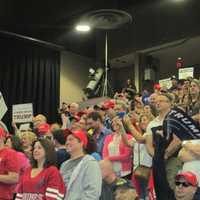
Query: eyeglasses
[183, 184]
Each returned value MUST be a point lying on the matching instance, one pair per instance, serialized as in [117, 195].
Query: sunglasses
[183, 184]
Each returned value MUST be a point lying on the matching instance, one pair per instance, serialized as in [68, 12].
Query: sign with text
[165, 83]
[3, 107]
[184, 73]
[22, 113]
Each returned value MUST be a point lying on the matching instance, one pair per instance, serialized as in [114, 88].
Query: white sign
[3, 107]
[24, 127]
[22, 113]
[165, 83]
[184, 73]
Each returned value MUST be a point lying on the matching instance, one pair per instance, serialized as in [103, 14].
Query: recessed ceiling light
[83, 28]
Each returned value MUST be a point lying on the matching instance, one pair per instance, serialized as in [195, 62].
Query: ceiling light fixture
[83, 27]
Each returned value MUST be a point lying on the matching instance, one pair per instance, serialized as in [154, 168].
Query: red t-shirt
[8, 163]
[47, 185]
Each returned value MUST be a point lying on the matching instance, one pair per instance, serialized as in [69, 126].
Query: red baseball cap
[108, 104]
[157, 86]
[189, 177]
[43, 128]
[2, 132]
[81, 113]
[76, 118]
[81, 135]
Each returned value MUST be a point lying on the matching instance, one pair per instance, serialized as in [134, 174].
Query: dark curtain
[29, 73]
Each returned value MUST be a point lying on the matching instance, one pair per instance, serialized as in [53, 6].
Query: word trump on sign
[179, 123]
[22, 113]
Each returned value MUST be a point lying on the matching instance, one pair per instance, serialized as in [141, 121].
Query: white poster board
[24, 127]
[22, 113]
[165, 83]
[3, 107]
[184, 73]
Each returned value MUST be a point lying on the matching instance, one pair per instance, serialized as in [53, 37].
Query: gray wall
[118, 76]
[188, 50]
[73, 76]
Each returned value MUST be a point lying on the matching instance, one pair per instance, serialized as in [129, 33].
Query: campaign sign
[179, 123]
[184, 73]
[22, 113]
[165, 83]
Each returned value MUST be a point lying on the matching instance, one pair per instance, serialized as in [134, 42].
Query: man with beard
[95, 122]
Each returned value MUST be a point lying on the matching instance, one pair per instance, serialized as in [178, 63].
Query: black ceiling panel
[154, 22]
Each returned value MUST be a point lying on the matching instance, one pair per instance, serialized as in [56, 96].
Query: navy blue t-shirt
[62, 155]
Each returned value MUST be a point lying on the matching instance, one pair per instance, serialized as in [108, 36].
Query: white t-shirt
[113, 149]
[141, 156]
[154, 123]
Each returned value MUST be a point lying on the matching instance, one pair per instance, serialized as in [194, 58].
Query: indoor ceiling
[155, 22]
[54, 21]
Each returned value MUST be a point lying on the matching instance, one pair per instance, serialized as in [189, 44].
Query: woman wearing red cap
[81, 174]
[9, 169]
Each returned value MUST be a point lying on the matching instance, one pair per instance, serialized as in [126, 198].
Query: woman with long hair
[141, 157]
[117, 152]
[42, 180]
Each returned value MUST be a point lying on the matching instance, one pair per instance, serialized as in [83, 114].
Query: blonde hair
[29, 135]
[121, 103]
[55, 126]
[39, 117]
[149, 116]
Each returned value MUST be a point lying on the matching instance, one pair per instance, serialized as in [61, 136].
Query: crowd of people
[133, 146]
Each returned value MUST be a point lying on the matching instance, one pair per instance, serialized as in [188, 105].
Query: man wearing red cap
[190, 156]
[81, 174]
[186, 183]
[9, 169]
[40, 125]
[106, 110]
[156, 88]
[186, 186]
